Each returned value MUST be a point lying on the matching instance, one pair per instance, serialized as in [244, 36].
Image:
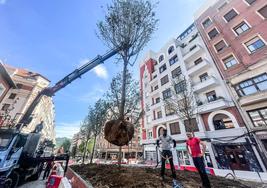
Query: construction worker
[193, 147]
[166, 154]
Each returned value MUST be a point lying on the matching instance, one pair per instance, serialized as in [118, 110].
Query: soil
[110, 176]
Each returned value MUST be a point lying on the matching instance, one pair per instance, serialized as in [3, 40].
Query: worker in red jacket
[193, 147]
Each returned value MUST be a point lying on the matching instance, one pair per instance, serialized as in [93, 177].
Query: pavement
[35, 184]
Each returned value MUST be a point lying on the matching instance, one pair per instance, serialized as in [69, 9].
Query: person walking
[48, 167]
[193, 147]
[166, 154]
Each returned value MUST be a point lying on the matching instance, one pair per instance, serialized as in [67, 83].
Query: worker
[48, 167]
[193, 147]
[166, 153]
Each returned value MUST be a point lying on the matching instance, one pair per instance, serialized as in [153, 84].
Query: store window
[222, 121]
[253, 85]
[183, 157]
[259, 117]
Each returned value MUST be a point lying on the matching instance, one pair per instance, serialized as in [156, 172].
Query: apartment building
[17, 100]
[236, 35]
[217, 118]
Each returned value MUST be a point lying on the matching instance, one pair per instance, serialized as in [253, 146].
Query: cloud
[3, 1]
[67, 129]
[99, 70]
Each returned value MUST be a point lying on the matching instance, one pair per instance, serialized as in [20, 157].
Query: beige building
[17, 101]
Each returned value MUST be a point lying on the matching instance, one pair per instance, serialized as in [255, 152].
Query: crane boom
[50, 91]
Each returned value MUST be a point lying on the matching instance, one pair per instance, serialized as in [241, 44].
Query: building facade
[217, 119]
[235, 32]
[18, 99]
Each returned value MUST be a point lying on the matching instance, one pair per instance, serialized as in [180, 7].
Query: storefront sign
[181, 148]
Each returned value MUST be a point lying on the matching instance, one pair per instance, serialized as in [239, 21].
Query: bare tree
[132, 104]
[128, 26]
[182, 101]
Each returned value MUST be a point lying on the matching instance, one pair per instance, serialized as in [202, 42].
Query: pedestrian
[193, 147]
[48, 168]
[166, 153]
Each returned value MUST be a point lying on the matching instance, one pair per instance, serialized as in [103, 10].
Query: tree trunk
[119, 157]
[123, 87]
[84, 151]
[92, 156]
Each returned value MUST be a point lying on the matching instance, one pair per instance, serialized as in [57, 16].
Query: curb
[76, 180]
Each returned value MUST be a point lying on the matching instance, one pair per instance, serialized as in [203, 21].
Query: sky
[55, 37]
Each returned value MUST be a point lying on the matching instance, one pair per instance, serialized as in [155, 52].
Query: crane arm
[77, 73]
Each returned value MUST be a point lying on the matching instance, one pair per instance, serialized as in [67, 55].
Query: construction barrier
[191, 168]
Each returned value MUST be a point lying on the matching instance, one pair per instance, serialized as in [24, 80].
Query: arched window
[161, 58]
[171, 49]
[222, 121]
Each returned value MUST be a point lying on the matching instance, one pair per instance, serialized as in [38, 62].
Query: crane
[50, 91]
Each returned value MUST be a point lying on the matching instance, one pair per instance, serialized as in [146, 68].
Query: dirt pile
[109, 176]
[118, 132]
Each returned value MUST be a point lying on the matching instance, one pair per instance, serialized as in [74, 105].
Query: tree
[128, 26]
[86, 132]
[66, 145]
[97, 117]
[132, 104]
[182, 101]
[74, 151]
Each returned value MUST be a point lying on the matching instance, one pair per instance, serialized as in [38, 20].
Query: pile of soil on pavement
[110, 176]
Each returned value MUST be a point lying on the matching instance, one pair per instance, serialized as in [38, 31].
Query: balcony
[219, 103]
[197, 68]
[205, 84]
[226, 133]
[156, 105]
[192, 52]
[254, 98]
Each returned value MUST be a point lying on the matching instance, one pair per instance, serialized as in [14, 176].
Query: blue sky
[55, 37]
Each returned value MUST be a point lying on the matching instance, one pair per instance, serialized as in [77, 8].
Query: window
[259, 117]
[159, 114]
[230, 15]
[169, 111]
[173, 60]
[150, 135]
[2, 89]
[162, 68]
[164, 80]
[203, 77]
[252, 85]
[192, 126]
[240, 28]
[250, 1]
[161, 58]
[229, 61]
[19, 86]
[5, 107]
[167, 93]
[211, 96]
[263, 11]
[176, 72]
[220, 46]
[157, 100]
[179, 87]
[171, 49]
[199, 60]
[207, 23]
[156, 87]
[222, 121]
[12, 96]
[213, 33]
[175, 128]
[254, 44]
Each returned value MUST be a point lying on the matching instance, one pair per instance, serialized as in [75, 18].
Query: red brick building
[235, 32]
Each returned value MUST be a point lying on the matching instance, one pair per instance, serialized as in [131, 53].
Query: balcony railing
[205, 84]
[196, 68]
[217, 103]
